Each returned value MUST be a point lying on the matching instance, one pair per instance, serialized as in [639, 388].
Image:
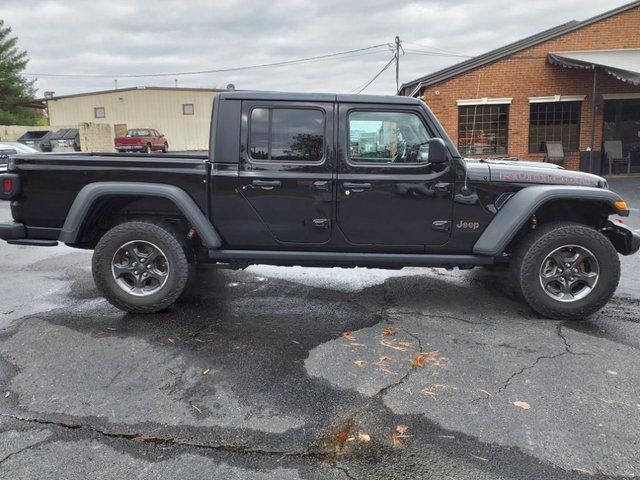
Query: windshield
[138, 133]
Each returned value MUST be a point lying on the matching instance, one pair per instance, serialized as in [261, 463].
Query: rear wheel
[165, 147]
[140, 267]
[566, 271]
[148, 149]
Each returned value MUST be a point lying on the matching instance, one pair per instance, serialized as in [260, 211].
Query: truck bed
[55, 179]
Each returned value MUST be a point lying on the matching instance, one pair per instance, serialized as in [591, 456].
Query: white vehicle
[11, 148]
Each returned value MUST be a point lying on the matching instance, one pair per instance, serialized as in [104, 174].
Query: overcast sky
[118, 37]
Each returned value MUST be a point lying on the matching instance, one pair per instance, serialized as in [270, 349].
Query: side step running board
[276, 257]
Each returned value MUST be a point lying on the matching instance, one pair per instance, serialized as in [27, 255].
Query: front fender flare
[86, 198]
[519, 209]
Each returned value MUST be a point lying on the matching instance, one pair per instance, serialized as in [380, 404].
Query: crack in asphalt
[12, 454]
[435, 315]
[508, 381]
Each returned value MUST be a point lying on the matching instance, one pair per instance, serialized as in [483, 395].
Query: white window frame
[484, 101]
[193, 109]
[557, 98]
[95, 112]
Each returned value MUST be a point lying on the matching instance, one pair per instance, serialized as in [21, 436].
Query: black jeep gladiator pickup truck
[322, 180]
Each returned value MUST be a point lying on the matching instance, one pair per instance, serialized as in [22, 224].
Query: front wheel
[140, 267]
[566, 271]
[148, 149]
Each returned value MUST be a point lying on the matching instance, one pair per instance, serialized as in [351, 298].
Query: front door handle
[267, 184]
[356, 187]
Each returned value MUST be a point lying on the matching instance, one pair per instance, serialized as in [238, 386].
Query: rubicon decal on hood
[539, 177]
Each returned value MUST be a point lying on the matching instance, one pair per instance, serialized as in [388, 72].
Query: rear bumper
[12, 231]
[17, 234]
[131, 148]
[625, 240]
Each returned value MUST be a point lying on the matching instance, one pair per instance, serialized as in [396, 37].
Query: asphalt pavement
[295, 373]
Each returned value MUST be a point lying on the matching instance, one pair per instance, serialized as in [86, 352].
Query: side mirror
[437, 151]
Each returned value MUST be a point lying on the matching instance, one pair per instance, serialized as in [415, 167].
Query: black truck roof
[318, 97]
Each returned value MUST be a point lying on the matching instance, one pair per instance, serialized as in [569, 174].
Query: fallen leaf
[348, 335]
[447, 436]
[582, 470]
[7, 394]
[360, 363]
[607, 401]
[206, 371]
[486, 393]
[195, 407]
[399, 435]
[522, 405]
[171, 340]
[357, 345]
[396, 345]
[296, 342]
[479, 458]
[389, 331]
[418, 360]
[363, 437]
[383, 359]
[173, 371]
[113, 329]
[433, 390]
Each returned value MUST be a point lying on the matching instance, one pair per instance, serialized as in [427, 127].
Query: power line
[344, 54]
[434, 48]
[363, 87]
[434, 54]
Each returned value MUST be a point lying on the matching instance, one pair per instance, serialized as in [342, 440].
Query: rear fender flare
[86, 198]
[519, 209]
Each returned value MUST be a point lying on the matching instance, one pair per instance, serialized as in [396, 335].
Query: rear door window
[287, 134]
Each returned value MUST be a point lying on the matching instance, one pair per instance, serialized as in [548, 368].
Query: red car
[144, 140]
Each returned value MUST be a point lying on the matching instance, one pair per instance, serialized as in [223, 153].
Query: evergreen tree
[14, 88]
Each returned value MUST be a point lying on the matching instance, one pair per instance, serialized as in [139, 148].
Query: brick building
[512, 100]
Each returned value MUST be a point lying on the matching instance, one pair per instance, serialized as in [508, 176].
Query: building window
[387, 137]
[286, 134]
[482, 129]
[99, 112]
[187, 108]
[554, 122]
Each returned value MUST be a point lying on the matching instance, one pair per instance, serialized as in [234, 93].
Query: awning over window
[623, 64]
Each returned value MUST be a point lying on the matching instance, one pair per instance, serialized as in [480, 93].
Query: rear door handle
[267, 184]
[356, 186]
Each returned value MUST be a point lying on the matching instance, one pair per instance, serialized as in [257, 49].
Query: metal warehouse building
[183, 115]
[515, 100]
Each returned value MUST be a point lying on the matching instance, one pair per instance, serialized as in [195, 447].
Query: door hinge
[321, 222]
[441, 225]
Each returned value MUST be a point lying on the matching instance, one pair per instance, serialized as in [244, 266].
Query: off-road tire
[533, 249]
[162, 236]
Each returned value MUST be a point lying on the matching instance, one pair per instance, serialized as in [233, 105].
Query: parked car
[12, 148]
[33, 138]
[145, 140]
[19, 147]
[4, 156]
[65, 140]
[285, 184]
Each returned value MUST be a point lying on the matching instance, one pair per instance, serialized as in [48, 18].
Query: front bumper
[625, 240]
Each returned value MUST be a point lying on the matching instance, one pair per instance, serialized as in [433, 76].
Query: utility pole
[398, 47]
